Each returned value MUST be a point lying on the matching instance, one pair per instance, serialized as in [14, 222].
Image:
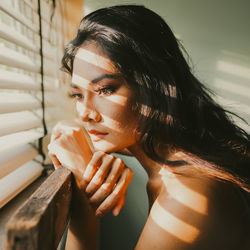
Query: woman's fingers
[93, 166]
[72, 150]
[100, 175]
[52, 156]
[108, 181]
[55, 136]
[107, 186]
[105, 178]
[54, 160]
[120, 189]
[119, 205]
[109, 171]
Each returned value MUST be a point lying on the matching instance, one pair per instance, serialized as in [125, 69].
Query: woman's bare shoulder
[195, 213]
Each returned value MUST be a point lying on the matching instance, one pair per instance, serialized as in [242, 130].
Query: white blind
[21, 110]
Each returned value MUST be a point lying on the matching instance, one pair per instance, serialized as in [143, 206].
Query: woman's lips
[96, 135]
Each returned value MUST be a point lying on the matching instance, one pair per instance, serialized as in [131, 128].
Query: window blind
[22, 104]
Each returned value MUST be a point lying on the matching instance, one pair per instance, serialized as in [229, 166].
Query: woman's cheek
[80, 109]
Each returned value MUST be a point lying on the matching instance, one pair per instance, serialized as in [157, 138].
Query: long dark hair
[176, 110]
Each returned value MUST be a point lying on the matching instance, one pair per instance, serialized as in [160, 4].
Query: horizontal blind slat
[50, 68]
[15, 37]
[11, 141]
[13, 80]
[7, 8]
[14, 158]
[15, 59]
[31, 5]
[18, 180]
[18, 121]
[24, 120]
[13, 102]
[49, 50]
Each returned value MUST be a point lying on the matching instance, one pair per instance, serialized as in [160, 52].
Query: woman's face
[103, 100]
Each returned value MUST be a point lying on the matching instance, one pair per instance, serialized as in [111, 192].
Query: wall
[216, 36]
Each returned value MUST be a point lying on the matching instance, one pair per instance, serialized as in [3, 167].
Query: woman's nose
[87, 113]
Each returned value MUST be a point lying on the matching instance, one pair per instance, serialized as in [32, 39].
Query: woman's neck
[151, 167]
[157, 172]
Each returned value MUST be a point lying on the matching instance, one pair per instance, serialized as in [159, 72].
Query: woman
[134, 91]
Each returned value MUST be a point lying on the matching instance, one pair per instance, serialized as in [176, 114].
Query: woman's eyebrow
[74, 86]
[97, 79]
[109, 76]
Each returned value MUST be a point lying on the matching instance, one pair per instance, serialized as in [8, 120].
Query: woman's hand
[108, 179]
[69, 147]
[103, 177]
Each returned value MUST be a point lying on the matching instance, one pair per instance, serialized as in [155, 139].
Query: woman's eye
[106, 90]
[76, 96]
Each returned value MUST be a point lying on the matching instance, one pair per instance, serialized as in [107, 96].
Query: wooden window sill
[9, 209]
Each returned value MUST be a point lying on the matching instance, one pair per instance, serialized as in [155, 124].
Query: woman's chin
[104, 147]
[109, 147]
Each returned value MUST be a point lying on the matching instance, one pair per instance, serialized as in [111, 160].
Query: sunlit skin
[184, 204]
[104, 101]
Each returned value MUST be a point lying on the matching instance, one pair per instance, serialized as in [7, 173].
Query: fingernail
[89, 190]
[116, 211]
[99, 214]
[88, 171]
[86, 175]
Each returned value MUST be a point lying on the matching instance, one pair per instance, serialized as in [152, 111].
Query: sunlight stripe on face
[93, 58]
[80, 81]
[84, 83]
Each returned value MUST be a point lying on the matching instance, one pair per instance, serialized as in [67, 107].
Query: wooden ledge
[41, 221]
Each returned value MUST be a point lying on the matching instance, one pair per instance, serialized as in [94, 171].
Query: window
[25, 110]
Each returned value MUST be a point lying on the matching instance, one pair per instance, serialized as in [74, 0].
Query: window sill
[9, 209]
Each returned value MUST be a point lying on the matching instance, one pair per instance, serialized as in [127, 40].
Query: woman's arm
[107, 180]
[83, 227]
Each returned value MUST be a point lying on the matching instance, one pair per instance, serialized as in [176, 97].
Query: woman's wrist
[82, 236]
[80, 205]
[83, 227]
